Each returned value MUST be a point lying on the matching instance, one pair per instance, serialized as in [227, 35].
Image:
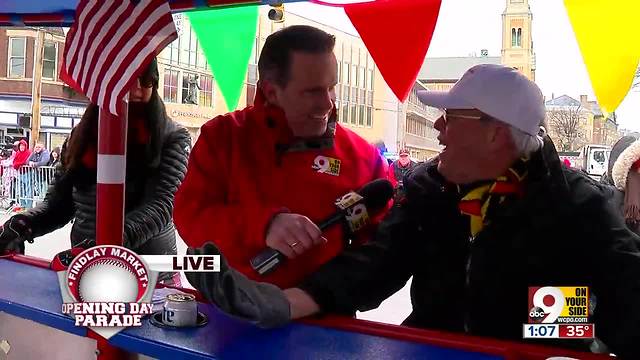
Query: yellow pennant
[607, 34]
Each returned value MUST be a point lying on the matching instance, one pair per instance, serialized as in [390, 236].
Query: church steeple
[517, 42]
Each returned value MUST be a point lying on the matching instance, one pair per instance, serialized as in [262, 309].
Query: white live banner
[189, 263]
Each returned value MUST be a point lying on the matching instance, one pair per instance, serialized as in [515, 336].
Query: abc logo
[537, 314]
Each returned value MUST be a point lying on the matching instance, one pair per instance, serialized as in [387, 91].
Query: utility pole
[36, 88]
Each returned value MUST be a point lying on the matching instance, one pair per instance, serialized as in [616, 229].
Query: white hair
[527, 144]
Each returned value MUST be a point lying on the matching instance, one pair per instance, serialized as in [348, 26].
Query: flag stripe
[124, 34]
[130, 43]
[90, 48]
[80, 35]
[109, 45]
[98, 47]
[71, 35]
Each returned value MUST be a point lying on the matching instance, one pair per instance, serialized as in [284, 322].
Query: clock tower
[517, 41]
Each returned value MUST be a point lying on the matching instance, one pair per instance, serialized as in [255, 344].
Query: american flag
[110, 44]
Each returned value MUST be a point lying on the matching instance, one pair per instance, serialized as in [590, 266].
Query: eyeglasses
[145, 83]
[448, 116]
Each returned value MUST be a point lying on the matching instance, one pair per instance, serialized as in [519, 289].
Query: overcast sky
[466, 26]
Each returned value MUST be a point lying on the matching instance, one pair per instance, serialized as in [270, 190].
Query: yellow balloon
[607, 33]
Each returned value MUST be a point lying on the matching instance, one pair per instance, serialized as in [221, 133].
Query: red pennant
[397, 33]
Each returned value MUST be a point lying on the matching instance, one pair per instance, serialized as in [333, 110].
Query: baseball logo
[107, 274]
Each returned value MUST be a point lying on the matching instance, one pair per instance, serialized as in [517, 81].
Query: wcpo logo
[549, 304]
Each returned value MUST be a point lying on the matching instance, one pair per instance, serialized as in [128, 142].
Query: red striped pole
[111, 169]
[112, 151]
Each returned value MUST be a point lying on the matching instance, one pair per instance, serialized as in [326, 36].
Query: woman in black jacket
[157, 153]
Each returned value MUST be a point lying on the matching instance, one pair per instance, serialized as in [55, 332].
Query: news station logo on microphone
[108, 288]
[356, 214]
[559, 312]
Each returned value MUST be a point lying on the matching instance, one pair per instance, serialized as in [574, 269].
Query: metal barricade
[24, 187]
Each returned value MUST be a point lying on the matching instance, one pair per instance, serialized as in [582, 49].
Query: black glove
[14, 233]
[63, 259]
[261, 303]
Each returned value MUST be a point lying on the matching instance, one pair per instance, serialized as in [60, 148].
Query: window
[363, 80]
[202, 60]
[189, 50]
[254, 53]
[64, 122]
[57, 140]
[516, 37]
[354, 114]
[49, 60]
[206, 91]
[371, 80]
[47, 121]
[193, 49]
[17, 49]
[251, 94]
[337, 103]
[369, 116]
[189, 88]
[416, 127]
[345, 73]
[171, 52]
[345, 112]
[356, 78]
[361, 115]
[170, 86]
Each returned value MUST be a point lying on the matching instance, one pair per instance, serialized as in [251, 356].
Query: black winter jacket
[150, 189]
[564, 231]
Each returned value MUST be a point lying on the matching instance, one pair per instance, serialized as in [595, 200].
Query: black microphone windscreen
[376, 194]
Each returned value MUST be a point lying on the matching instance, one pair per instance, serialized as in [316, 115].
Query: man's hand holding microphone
[293, 234]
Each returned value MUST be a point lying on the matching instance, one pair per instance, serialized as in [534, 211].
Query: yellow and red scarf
[480, 201]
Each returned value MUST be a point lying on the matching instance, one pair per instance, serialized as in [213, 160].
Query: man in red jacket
[260, 177]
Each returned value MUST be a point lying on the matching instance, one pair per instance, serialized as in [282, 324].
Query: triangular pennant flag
[397, 33]
[607, 35]
[227, 37]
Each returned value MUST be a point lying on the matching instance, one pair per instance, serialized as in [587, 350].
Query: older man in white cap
[495, 215]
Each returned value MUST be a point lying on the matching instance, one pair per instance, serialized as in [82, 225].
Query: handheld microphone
[354, 207]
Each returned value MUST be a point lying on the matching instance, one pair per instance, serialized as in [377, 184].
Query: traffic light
[276, 13]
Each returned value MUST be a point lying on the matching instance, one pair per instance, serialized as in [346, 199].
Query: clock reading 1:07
[558, 331]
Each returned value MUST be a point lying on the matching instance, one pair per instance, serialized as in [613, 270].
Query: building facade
[573, 123]
[61, 107]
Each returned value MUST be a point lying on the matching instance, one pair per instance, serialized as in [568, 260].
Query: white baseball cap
[498, 91]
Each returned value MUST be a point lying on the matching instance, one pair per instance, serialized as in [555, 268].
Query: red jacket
[237, 181]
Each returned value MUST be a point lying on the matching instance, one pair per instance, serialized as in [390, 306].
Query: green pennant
[227, 38]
